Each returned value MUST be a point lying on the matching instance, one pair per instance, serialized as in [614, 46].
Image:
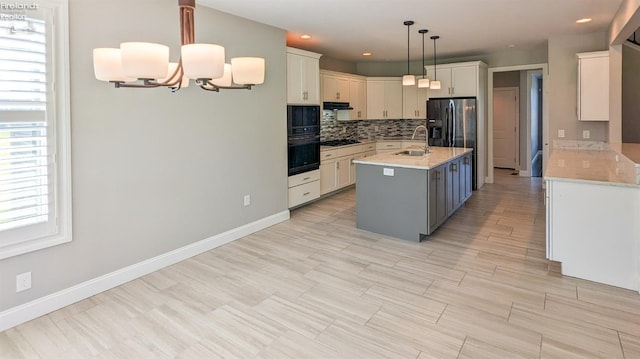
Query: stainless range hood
[336, 106]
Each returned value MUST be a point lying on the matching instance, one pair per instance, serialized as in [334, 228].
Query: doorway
[506, 109]
[526, 157]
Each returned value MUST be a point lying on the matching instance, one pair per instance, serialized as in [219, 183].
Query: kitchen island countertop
[436, 157]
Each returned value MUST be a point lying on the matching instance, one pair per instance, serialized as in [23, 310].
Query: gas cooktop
[338, 142]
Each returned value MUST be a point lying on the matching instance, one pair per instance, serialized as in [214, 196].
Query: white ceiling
[344, 29]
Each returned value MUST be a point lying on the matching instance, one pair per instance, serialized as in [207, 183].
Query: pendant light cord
[435, 74]
[408, 24]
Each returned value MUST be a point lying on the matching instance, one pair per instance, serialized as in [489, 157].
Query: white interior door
[505, 127]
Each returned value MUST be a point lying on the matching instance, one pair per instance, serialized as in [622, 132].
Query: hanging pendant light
[408, 80]
[423, 83]
[435, 84]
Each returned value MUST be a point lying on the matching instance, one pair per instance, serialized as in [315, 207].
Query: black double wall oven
[303, 137]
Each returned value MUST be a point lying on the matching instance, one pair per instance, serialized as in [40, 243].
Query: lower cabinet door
[328, 177]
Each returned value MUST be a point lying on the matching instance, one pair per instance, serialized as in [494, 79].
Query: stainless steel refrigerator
[452, 123]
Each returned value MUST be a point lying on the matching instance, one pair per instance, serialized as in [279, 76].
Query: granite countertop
[605, 166]
[436, 157]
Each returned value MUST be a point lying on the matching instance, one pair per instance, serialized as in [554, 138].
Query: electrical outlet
[247, 200]
[23, 282]
[375, 128]
[561, 133]
[344, 130]
[586, 134]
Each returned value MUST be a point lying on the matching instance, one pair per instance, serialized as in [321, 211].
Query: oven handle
[304, 140]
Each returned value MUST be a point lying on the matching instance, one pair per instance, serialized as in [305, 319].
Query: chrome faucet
[426, 137]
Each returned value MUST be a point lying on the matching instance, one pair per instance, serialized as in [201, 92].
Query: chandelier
[146, 65]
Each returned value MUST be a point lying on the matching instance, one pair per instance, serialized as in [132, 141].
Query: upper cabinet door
[442, 74]
[375, 100]
[414, 102]
[303, 77]
[335, 88]
[358, 99]
[393, 98]
[464, 81]
[593, 86]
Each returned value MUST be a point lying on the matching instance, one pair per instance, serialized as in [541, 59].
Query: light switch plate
[561, 133]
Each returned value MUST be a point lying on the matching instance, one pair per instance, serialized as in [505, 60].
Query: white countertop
[604, 166]
[436, 157]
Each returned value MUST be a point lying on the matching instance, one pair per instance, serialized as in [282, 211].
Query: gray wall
[329, 63]
[155, 171]
[511, 57]
[630, 92]
[562, 86]
[506, 79]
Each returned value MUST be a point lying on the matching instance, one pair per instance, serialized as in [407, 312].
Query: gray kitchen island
[407, 196]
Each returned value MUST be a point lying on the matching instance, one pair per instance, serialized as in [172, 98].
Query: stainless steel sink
[416, 153]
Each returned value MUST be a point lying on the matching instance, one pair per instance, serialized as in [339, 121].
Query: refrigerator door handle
[452, 110]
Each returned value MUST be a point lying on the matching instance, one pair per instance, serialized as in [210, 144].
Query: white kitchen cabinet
[335, 174]
[328, 175]
[336, 166]
[303, 187]
[457, 80]
[384, 98]
[303, 77]
[358, 98]
[335, 88]
[593, 86]
[414, 102]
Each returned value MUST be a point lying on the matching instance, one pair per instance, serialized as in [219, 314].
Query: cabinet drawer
[339, 152]
[388, 145]
[303, 178]
[304, 193]
[368, 147]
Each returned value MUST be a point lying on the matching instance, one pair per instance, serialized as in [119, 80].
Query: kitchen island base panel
[593, 230]
[392, 205]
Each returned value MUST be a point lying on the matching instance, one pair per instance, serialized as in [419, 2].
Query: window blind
[25, 159]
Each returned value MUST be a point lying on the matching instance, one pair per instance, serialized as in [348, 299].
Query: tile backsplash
[332, 129]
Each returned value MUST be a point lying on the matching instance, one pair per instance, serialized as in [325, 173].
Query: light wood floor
[316, 287]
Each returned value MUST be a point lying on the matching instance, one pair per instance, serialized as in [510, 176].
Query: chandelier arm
[209, 88]
[145, 84]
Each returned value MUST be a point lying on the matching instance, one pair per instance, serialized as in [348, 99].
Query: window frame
[60, 127]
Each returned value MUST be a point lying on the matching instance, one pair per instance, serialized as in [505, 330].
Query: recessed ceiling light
[366, 54]
[584, 20]
[305, 37]
[511, 46]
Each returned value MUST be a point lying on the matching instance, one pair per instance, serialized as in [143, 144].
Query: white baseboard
[52, 302]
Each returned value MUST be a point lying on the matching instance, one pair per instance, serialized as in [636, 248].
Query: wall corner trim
[52, 302]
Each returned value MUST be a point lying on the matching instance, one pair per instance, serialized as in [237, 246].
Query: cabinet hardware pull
[306, 178]
[328, 155]
[306, 193]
